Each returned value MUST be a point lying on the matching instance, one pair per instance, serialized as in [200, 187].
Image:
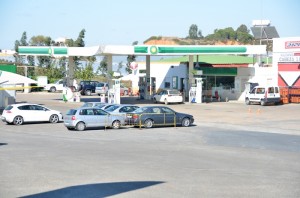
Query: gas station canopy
[154, 50]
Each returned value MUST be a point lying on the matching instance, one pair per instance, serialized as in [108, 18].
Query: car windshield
[100, 105]
[72, 112]
[112, 108]
[56, 82]
[100, 85]
[87, 105]
[141, 110]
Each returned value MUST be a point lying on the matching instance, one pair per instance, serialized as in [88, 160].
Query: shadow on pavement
[95, 190]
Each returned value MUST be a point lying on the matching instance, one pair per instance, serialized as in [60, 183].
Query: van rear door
[273, 94]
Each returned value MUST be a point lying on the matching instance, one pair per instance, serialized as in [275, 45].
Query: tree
[120, 65]
[70, 43]
[20, 60]
[86, 73]
[102, 68]
[193, 32]
[23, 40]
[223, 34]
[200, 34]
[130, 59]
[243, 28]
[243, 35]
[79, 41]
[40, 40]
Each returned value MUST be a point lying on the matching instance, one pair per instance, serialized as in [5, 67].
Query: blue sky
[119, 22]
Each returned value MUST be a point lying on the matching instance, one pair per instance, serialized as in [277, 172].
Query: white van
[263, 95]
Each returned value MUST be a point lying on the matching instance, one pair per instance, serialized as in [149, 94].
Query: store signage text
[288, 57]
[292, 44]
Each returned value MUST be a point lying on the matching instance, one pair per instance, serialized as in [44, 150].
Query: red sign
[292, 44]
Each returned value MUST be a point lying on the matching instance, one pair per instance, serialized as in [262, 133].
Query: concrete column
[190, 69]
[109, 63]
[26, 71]
[147, 93]
[109, 70]
[71, 71]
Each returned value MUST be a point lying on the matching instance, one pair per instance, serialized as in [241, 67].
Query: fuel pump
[195, 93]
[153, 86]
[114, 93]
[192, 95]
[199, 90]
[142, 87]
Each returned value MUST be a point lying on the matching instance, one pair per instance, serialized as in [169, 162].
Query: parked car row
[94, 114]
[86, 87]
[89, 87]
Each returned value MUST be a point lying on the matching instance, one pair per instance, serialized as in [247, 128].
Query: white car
[18, 114]
[56, 86]
[168, 96]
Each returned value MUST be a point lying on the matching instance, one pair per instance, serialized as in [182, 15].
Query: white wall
[164, 72]
[260, 75]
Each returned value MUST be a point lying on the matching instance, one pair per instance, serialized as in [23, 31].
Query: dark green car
[150, 116]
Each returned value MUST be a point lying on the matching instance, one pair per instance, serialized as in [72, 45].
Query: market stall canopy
[12, 78]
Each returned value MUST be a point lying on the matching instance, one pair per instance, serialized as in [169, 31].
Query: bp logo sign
[153, 50]
[50, 51]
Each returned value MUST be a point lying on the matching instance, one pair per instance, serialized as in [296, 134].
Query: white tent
[12, 79]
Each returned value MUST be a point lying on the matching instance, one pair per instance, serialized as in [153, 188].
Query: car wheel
[185, 122]
[155, 101]
[116, 124]
[54, 118]
[262, 103]
[80, 126]
[18, 120]
[166, 102]
[247, 101]
[52, 89]
[148, 123]
[88, 92]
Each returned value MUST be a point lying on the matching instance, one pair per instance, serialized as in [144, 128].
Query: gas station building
[187, 74]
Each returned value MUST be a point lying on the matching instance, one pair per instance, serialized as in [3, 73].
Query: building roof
[214, 59]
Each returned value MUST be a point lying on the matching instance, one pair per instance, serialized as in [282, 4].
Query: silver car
[101, 88]
[89, 117]
[100, 105]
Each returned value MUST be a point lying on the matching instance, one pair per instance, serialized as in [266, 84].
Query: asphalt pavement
[233, 150]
